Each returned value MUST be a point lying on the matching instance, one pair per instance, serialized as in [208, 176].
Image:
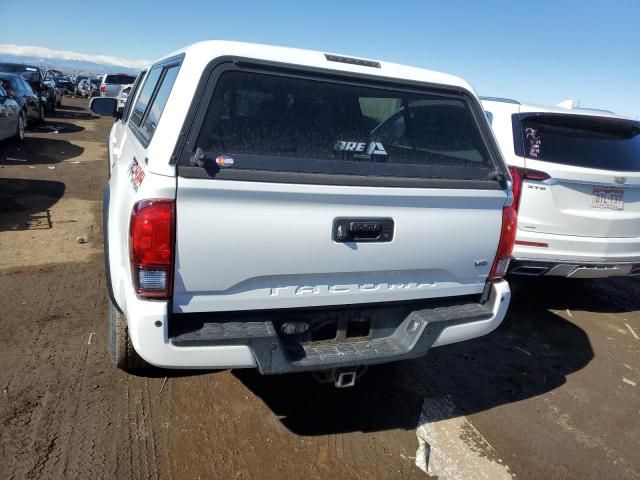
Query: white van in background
[576, 178]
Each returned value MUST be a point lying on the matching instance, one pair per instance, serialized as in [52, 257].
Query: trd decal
[136, 174]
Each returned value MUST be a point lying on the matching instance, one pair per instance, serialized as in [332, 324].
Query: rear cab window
[578, 140]
[265, 122]
[150, 103]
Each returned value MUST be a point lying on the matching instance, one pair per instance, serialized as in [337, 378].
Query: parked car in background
[411, 233]
[576, 176]
[76, 83]
[65, 84]
[95, 87]
[83, 89]
[40, 82]
[112, 82]
[57, 91]
[54, 73]
[12, 119]
[19, 90]
[125, 90]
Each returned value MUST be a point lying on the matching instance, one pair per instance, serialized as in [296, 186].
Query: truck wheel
[121, 350]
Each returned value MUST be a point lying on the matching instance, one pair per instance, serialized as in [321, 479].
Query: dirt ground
[552, 394]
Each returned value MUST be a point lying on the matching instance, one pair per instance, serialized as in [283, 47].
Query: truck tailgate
[253, 245]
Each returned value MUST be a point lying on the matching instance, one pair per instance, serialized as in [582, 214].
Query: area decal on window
[533, 142]
[368, 149]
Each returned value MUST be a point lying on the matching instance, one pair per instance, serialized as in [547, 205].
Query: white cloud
[44, 52]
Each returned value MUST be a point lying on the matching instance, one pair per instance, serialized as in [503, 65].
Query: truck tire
[121, 350]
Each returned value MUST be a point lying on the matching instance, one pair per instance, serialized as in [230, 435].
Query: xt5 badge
[136, 174]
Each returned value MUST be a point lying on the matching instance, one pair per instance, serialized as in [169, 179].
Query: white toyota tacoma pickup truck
[293, 210]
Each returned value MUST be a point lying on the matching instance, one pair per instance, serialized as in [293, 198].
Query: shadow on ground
[38, 150]
[25, 204]
[72, 108]
[532, 353]
[54, 126]
[76, 114]
[605, 295]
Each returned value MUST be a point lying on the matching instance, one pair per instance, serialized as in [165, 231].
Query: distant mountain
[67, 66]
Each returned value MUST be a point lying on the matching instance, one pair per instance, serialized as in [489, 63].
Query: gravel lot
[553, 394]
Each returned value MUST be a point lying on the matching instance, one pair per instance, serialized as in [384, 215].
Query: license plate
[611, 198]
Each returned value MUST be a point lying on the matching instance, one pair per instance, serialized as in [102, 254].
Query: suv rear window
[579, 140]
[292, 124]
[119, 79]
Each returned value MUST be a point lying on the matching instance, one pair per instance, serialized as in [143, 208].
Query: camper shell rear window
[265, 121]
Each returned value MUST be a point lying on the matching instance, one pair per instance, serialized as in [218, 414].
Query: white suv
[577, 180]
[294, 210]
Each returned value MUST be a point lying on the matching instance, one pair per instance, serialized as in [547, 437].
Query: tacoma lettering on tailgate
[365, 287]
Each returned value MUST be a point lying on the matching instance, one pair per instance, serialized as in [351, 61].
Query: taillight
[505, 246]
[151, 243]
[103, 89]
[10, 91]
[518, 175]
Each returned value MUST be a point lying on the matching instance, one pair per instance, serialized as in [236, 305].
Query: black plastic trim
[398, 331]
[363, 229]
[106, 193]
[545, 266]
[340, 180]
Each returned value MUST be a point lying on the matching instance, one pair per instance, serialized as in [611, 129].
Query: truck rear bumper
[283, 341]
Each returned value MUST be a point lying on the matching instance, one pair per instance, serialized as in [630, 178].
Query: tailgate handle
[363, 230]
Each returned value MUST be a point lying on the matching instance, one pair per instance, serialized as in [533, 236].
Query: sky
[536, 52]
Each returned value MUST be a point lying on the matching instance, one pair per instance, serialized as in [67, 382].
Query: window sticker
[533, 142]
[224, 161]
[360, 149]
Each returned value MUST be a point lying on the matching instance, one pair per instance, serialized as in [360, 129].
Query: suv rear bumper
[537, 254]
[255, 340]
[535, 268]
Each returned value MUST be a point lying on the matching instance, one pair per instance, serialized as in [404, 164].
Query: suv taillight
[103, 89]
[518, 175]
[151, 243]
[505, 246]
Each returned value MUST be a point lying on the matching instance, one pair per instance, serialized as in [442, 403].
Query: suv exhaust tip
[529, 270]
